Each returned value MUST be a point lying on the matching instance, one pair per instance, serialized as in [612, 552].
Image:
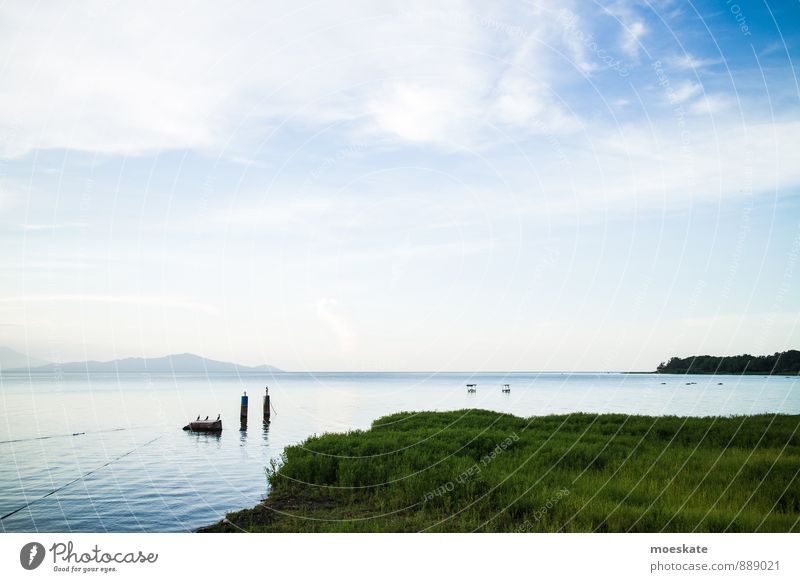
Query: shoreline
[478, 470]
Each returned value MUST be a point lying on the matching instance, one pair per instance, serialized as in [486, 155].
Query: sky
[450, 185]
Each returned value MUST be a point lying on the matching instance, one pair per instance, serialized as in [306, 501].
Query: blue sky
[400, 185]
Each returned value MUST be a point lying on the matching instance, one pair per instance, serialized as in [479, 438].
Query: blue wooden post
[243, 411]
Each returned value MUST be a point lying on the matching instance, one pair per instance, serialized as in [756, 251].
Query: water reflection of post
[266, 412]
[205, 437]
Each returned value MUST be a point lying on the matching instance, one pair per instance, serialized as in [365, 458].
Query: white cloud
[632, 37]
[53, 226]
[685, 91]
[521, 102]
[612, 172]
[9, 197]
[632, 169]
[132, 79]
[163, 301]
[420, 113]
[691, 62]
[709, 104]
[331, 314]
[269, 216]
[576, 40]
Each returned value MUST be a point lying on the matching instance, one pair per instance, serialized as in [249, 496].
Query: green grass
[476, 470]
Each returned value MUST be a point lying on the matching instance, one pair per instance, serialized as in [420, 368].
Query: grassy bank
[476, 470]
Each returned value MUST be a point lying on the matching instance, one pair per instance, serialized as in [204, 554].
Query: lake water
[134, 470]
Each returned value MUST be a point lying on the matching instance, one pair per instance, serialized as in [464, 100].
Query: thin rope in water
[79, 478]
[55, 436]
[73, 434]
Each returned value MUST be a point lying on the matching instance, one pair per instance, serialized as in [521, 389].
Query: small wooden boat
[204, 425]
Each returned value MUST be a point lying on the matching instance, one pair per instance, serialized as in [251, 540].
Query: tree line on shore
[782, 363]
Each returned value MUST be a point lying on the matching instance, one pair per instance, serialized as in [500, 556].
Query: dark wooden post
[243, 412]
[266, 406]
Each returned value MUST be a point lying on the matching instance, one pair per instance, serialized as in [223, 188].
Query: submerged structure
[205, 425]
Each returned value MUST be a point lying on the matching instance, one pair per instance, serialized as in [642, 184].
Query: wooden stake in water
[243, 411]
[266, 406]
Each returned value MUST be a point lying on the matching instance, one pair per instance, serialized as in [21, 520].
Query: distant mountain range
[11, 361]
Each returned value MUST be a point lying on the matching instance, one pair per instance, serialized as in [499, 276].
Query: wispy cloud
[197, 174]
[691, 62]
[632, 37]
[635, 170]
[685, 91]
[333, 316]
[164, 301]
[369, 63]
[54, 226]
[709, 104]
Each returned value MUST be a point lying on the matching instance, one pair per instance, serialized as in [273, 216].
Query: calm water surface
[132, 469]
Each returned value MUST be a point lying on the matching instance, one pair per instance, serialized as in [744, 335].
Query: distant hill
[10, 359]
[189, 363]
[780, 363]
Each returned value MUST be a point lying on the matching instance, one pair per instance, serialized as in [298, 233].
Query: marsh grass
[574, 473]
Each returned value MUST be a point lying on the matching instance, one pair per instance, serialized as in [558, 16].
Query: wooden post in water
[243, 412]
[266, 406]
